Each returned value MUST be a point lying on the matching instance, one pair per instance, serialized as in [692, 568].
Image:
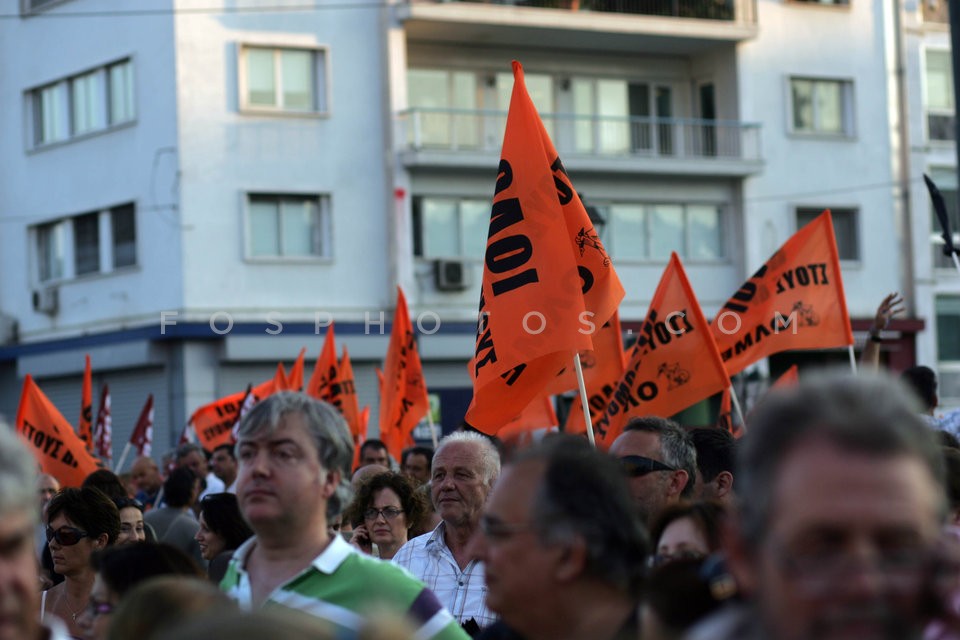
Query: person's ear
[571, 560]
[678, 481]
[724, 482]
[101, 541]
[330, 480]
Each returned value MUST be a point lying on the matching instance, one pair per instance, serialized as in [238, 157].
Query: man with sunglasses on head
[660, 462]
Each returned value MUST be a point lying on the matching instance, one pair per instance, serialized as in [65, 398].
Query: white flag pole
[736, 407]
[853, 359]
[956, 260]
[433, 434]
[123, 458]
[583, 399]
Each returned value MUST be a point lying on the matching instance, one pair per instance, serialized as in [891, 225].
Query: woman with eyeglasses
[222, 530]
[79, 522]
[385, 508]
[118, 569]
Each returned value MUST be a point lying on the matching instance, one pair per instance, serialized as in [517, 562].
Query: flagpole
[433, 434]
[853, 359]
[956, 260]
[736, 407]
[583, 399]
[123, 458]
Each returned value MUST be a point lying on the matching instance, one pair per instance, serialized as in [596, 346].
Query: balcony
[447, 138]
[652, 26]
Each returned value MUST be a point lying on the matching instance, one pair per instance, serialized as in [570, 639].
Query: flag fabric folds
[546, 275]
[602, 368]
[325, 370]
[56, 447]
[403, 399]
[674, 364]
[103, 432]
[344, 396]
[794, 301]
[788, 378]
[142, 436]
[85, 425]
[295, 379]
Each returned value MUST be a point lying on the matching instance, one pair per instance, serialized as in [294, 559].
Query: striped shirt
[341, 585]
[464, 593]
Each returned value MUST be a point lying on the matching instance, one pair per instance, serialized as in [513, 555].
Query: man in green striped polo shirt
[293, 452]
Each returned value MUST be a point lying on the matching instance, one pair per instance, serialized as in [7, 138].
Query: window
[86, 244]
[285, 80]
[450, 227]
[445, 104]
[822, 107]
[650, 231]
[948, 328]
[289, 226]
[98, 242]
[827, 2]
[946, 181]
[845, 228]
[941, 122]
[82, 104]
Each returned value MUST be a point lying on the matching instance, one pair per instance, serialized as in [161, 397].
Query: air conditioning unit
[46, 300]
[451, 275]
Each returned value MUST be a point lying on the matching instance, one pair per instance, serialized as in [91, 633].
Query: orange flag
[403, 400]
[295, 379]
[602, 369]
[85, 426]
[58, 450]
[325, 370]
[794, 301]
[538, 415]
[674, 364]
[545, 282]
[213, 422]
[344, 396]
[788, 378]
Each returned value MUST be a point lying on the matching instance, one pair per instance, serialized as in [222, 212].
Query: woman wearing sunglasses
[385, 508]
[79, 522]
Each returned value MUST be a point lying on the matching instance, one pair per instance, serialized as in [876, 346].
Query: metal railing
[422, 129]
[701, 9]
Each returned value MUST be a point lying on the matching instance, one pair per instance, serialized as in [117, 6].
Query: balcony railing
[424, 129]
[701, 9]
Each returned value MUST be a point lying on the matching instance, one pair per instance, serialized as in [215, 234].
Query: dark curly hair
[413, 503]
[89, 509]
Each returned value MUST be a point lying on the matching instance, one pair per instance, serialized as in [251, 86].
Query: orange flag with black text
[547, 278]
[325, 370]
[794, 301]
[673, 365]
[403, 400]
[602, 369]
[85, 426]
[344, 395]
[213, 422]
[57, 449]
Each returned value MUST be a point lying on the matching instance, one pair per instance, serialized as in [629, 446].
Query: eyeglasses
[95, 608]
[637, 466]
[388, 513]
[66, 536]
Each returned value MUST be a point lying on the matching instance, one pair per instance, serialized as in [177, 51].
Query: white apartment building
[261, 162]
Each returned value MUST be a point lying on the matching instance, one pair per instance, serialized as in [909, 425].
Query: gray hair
[187, 448]
[583, 494]
[676, 446]
[869, 414]
[18, 474]
[325, 425]
[489, 456]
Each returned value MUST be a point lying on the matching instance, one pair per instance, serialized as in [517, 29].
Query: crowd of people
[835, 516]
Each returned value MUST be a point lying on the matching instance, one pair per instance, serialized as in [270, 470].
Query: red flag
[103, 434]
[248, 402]
[85, 425]
[295, 379]
[325, 369]
[674, 364]
[602, 369]
[187, 435]
[142, 436]
[404, 398]
[794, 301]
[58, 450]
[789, 377]
[544, 281]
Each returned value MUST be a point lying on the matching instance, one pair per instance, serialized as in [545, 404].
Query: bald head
[145, 475]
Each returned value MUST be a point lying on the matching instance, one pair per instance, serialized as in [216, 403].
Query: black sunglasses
[636, 466]
[66, 536]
